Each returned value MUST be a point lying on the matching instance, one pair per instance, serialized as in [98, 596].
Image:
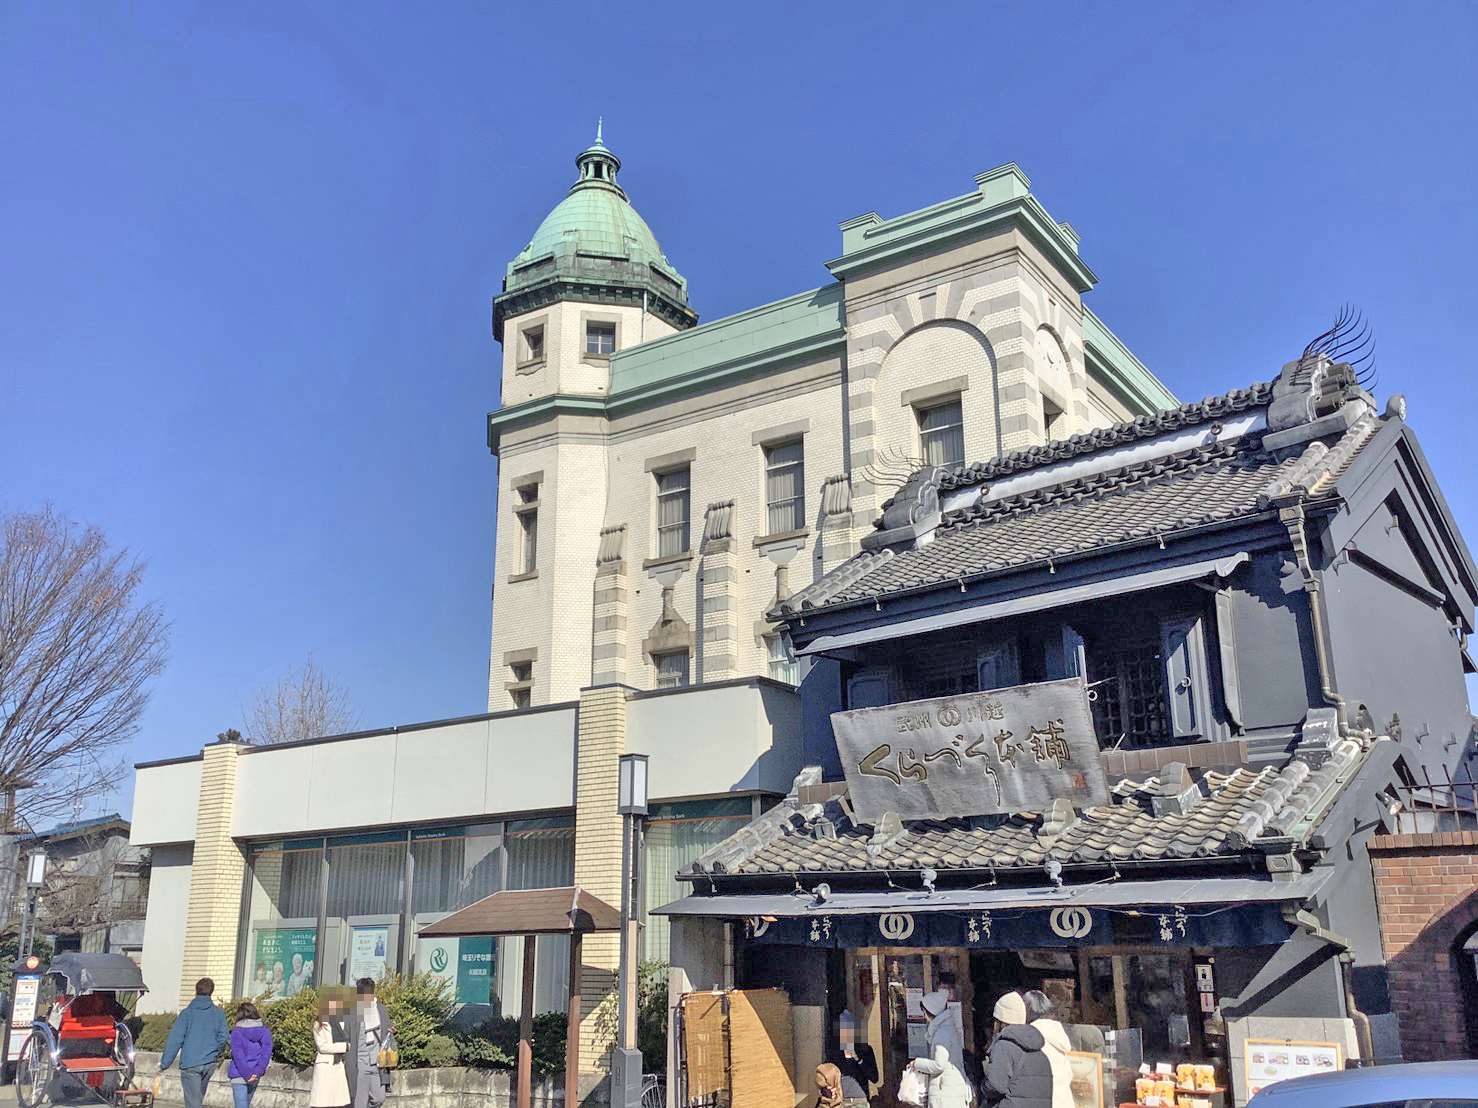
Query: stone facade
[1427, 887]
[977, 300]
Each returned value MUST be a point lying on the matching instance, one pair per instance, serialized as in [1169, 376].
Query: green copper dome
[594, 246]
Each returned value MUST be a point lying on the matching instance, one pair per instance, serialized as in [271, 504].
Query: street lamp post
[631, 802]
[35, 879]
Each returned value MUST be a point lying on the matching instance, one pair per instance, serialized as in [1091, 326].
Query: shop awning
[1035, 602]
[1105, 894]
[530, 912]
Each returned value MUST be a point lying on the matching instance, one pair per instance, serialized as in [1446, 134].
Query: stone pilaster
[216, 875]
[600, 742]
[717, 588]
[609, 643]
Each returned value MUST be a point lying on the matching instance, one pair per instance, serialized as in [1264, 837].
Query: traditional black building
[1267, 605]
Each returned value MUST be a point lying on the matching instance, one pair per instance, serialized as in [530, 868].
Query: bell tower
[592, 282]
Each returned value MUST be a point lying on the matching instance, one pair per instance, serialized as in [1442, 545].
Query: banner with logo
[1007, 750]
[466, 964]
[282, 962]
[1062, 926]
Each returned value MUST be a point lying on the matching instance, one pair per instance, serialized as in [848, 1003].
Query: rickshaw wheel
[123, 1055]
[33, 1072]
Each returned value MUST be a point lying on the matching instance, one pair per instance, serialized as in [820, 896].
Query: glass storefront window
[455, 866]
[676, 835]
[282, 918]
[541, 855]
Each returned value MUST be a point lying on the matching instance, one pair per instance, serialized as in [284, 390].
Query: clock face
[1049, 354]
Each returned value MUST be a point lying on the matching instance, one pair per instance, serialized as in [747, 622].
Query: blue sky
[247, 252]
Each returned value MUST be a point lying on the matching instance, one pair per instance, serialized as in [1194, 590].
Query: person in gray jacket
[1018, 1073]
[369, 1028]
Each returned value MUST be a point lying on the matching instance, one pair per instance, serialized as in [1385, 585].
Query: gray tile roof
[1210, 410]
[1203, 486]
[1237, 808]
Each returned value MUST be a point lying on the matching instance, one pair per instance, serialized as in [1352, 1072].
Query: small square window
[942, 434]
[672, 669]
[1054, 421]
[600, 338]
[533, 344]
[674, 498]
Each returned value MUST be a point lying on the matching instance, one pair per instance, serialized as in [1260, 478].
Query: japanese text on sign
[1008, 750]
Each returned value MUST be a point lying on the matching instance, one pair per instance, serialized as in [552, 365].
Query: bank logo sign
[438, 960]
[1003, 751]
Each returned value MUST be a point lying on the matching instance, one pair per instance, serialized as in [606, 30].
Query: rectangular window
[533, 344]
[782, 663]
[673, 507]
[521, 684]
[942, 434]
[600, 338]
[672, 669]
[527, 513]
[785, 487]
[1054, 421]
[1127, 689]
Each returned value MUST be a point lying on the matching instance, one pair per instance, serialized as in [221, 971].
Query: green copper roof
[595, 233]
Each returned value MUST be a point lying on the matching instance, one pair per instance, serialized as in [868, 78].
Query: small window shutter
[871, 688]
[999, 666]
[1226, 641]
[1184, 652]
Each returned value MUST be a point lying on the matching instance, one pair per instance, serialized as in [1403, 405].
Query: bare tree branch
[78, 648]
[305, 704]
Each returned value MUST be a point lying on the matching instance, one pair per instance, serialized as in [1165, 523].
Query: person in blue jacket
[198, 1034]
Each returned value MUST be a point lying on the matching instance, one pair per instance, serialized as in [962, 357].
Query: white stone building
[660, 482]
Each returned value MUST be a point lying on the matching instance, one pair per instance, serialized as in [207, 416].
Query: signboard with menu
[1269, 1061]
[978, 754]
[23, 1011]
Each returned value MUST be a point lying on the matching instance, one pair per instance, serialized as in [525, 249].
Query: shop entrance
[1122, 1004]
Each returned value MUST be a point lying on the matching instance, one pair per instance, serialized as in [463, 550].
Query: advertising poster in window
[1272, 1060]
[282, 962]
[368, 947]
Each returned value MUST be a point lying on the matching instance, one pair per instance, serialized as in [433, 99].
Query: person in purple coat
[251, 1050]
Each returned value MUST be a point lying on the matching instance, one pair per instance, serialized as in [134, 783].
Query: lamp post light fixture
[35, 881]
[631, 803]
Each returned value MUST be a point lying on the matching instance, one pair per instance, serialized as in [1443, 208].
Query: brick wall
[1427, 890]
[215, 878]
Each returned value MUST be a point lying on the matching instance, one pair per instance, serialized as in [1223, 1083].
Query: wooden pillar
[526, 1027]
[572, 1026]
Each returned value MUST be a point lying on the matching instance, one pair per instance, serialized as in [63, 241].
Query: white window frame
[930, 435]
[672, 678]
[781, 664]
[679, 534]
[530, 338]
[776, 510]
[526, 538]
[604, 329]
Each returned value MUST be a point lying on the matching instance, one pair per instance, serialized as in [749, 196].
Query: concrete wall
[704, 740]
[502, 765]
[164, 925]
[164, 802]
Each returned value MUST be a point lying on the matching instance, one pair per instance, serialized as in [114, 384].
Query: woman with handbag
[330, 1087]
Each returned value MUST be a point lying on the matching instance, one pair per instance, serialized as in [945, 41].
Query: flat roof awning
[530, 912]
[1104, 894]
[1035, 602]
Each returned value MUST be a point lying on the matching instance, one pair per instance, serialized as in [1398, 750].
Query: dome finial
[599, 122]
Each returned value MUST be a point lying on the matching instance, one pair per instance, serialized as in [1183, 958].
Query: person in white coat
[1039, 1015]
[944, 1067]
[330, 1088]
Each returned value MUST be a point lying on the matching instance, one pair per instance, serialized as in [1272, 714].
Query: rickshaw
[81, 1044]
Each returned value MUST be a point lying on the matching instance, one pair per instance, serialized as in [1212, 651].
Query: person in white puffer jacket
[1039, 1015]
[945, 1066]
